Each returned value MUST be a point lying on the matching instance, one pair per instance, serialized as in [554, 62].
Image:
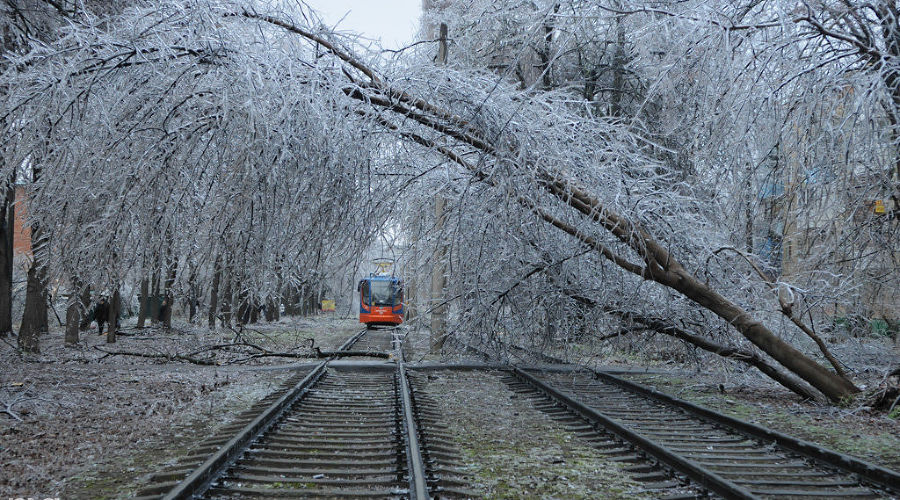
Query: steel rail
[200, 479]
[875, 474]
[702, 476]
[418, 486]
[352, 340]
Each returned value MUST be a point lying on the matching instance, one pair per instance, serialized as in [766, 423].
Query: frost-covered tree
[23, 23]
[768, 133]
[251, 143]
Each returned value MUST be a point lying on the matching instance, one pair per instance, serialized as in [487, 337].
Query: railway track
[338, 430]
[376, 340]
[688, 443]
[366, 429]
[723, 455]
[344, 438]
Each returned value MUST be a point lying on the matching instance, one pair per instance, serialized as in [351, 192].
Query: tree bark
[664, 269]
[243, 310]
[214, 293]
[154, 304]
[272, 312]
[226, 300]
[438, 281]
[618, 70]
[74, 312]
[112, 320]
[544, 54]
[73, 321]
[832, 385]
[169, 289]
[438, 270]
[145, 302]
[193, 297]
[34, 318]
[7, 230]
[254, 311]
[85, 304]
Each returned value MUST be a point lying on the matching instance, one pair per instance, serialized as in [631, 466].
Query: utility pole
[438, 278]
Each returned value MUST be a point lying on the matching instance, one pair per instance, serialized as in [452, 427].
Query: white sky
[394, 22]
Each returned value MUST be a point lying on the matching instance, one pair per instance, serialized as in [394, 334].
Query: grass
[513, 451]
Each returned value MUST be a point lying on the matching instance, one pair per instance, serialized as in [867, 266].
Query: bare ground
[79, 423]
[512, 450]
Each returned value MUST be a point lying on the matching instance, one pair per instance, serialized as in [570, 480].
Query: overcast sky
[394, 22]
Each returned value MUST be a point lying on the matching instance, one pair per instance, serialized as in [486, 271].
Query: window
[381, 293]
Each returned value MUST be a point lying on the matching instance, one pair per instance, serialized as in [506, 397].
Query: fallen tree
[744, 356]
[657, 264]
[243, 357]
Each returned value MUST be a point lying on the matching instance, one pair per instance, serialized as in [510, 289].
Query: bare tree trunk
[7, 229]
[314, 299]
[254, 311]
[154, 299]
[193, 294]
[86, 305]
[112, 320]
[747, 357]
[545, 53]
[74, 312]
[618, 69]
[666, 270]
[169, 293]
[226, 300]
[192, 307]
[243, 310]
[292, 308]
[214, 292]
[410, 302]
[297, 302]
[34, 318]
[271, 310]
[73, 320]
[145, 302]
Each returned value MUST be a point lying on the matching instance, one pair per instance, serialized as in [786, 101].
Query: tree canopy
[602, 163]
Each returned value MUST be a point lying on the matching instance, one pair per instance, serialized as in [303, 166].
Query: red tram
[380, 301]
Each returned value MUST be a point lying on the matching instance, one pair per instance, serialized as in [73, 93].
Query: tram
[380, 300]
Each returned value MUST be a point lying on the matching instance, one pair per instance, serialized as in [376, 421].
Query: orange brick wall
[21, 233]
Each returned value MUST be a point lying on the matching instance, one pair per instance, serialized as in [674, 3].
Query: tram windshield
[385, 293]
